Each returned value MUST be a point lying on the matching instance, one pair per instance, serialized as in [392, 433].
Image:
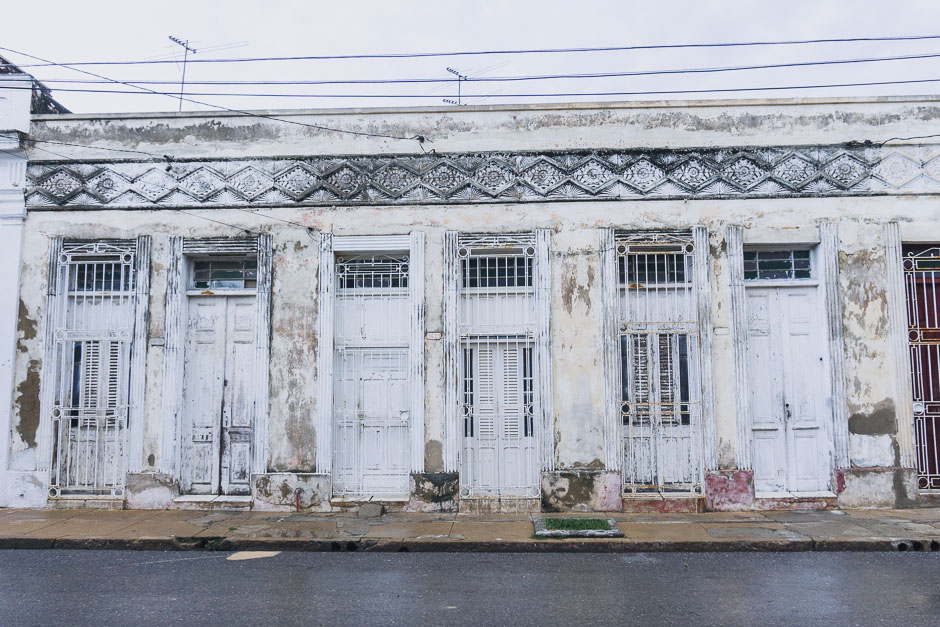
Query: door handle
[786, 412]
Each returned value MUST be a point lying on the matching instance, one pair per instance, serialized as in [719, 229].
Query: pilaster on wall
[829, 266]
[12, 216]
[897, 313]
[703, 299]
[734, 236]
[613, 444]
[324, 433]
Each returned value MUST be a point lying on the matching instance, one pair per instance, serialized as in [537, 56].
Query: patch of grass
[576, 524]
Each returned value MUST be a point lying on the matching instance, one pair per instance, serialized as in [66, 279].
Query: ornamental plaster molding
[773, 171]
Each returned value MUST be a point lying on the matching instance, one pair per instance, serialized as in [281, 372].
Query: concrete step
[209, 502]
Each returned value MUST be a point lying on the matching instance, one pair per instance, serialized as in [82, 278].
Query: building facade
[668, 306]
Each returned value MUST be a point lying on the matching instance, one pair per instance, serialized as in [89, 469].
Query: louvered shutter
[485, 407]
[512, 392]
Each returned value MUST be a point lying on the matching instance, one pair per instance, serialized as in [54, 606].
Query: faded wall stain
[433, 456]
[881, 421]
[26, 327]
[27, 400]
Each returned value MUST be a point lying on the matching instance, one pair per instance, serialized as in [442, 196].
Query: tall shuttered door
[93, 318]
[658, 337]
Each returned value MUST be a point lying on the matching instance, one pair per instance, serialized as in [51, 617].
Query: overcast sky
[121, 30]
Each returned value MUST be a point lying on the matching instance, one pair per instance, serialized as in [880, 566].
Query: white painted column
[543, 342]
[613, 429]
[12, 216]
[734, 236]
[453, 437]
[897, 312]
[14, 119]
[325, 311]
[701, 278]
[829, 267]
[416, 349]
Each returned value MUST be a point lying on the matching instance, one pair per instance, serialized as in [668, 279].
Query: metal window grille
[777, 264]
[371, 381]
[922, 283]
[94, 323]
[496, 323]
[658, 338]
[218, 274]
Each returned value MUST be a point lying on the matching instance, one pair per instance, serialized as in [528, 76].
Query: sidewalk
[858, 530]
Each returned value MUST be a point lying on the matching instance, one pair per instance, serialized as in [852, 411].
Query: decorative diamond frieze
[394, 179]
[693, 174]
[250, 182]
[494, 177]
[794, 171]
[543, 176]
[346, 180]
[846, 171]
[481, 177]
[644, 175]
[61, 184]
[593, 175]
[202, 183]
[296, 181]
[107, 185]
[744, 173]
[897, 170]
[155, 184]
[444, 179]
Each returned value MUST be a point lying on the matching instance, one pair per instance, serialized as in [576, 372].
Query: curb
[579, 545]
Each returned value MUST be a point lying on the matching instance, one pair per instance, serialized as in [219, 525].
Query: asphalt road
[150, 587]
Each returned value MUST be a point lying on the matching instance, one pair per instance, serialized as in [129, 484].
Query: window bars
[496, 329]
[371, 375]
[922, 284]
[94, 322]
[777, 264]
[658, 338]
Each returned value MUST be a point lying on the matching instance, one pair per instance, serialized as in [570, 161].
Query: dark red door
[922, 282]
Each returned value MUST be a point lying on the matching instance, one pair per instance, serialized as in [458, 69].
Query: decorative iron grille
[94, 323]
[496, 321]
[922, 283]
[658, 338]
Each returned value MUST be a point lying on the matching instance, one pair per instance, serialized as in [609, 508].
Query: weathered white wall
[14, 119]
[674, 124]
[576, 291]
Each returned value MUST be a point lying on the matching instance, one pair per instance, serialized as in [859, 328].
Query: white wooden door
[371, 398]
[218, 400]
[372, 420]
[786, 372]
[499, 429]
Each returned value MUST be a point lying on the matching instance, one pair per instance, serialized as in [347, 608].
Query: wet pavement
[910, 529]
[121, 587]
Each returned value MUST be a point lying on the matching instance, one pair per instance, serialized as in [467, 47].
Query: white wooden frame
[329, 246]
[826, 276]
[138, 353]
[900, 349]
[181, 250]
[453, 438]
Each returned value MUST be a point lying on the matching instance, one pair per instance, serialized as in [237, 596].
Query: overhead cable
[411, 55]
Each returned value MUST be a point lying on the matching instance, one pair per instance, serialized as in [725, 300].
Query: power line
[419, 138]
[537, 77]
[490, 95]
[412, 55]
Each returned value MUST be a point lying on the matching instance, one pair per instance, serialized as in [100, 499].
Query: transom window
[777, 264]
[217, 274]
[497, 271]
[372, 272]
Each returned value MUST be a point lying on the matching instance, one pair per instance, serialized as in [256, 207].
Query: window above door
[778, 264]
[224, 274]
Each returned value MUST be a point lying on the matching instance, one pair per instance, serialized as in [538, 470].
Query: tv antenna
[186, 51]
[460, 78]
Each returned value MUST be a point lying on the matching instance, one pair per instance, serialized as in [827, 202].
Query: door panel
[218, 395]
[499, 447]
[785, 369]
